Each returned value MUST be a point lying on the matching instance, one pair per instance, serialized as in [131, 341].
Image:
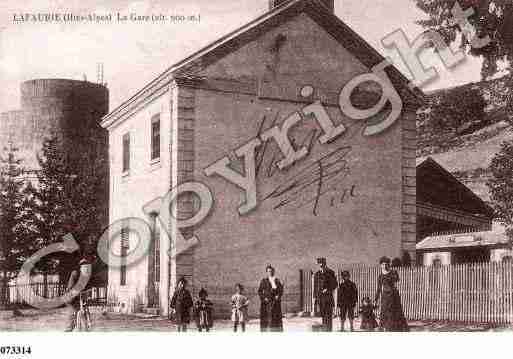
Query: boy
[346, 300]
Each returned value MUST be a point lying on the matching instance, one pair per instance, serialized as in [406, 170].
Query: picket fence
[21, 295]
[473, 293]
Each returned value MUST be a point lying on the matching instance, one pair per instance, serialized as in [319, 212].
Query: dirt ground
[56, 320]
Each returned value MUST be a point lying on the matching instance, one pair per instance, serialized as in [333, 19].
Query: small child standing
[203, 312]
[239, 308]
[369, 322]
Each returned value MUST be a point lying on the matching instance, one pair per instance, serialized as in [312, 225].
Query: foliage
[459, 107]
[492, 18]
[500, 185]
[66, 199]
[15, 243]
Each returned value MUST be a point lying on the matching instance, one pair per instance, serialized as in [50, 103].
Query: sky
[134, 53]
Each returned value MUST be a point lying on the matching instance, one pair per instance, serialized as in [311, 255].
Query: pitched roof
[247, 33]
[454, 194]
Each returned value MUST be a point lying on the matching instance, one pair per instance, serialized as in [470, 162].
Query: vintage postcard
[230, 166]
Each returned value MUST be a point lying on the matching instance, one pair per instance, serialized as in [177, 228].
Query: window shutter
[155, 137]
[126, 152]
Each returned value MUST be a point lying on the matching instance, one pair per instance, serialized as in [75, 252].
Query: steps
[150, 312]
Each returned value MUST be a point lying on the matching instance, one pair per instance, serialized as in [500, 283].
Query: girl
[239, 308]
[203, 312]
[369, 322]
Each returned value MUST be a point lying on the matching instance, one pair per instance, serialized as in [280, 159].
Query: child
[181, 304]
[203, 312]
[239, 308]
[369, 322]
[347, 296]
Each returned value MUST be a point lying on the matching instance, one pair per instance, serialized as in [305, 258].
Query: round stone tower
[69, 108]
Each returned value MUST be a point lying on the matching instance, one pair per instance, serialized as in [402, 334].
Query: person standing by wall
[347, 297]
[270, 292]
[181, 303]
[239, 308]
[203, 312]
[325, 282]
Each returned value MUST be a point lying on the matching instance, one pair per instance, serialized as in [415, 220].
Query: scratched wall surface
[355, 216]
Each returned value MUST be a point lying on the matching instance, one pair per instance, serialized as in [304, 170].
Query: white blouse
[272, 280]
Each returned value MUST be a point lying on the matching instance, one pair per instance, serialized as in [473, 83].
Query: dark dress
[203, 314]
[271, 317]
[368, 317]
[182, 304]
[392, 317]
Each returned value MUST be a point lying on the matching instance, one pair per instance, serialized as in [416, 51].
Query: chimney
[330, 4]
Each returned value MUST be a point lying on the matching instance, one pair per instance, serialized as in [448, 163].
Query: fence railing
[481, 292]
[21, 295]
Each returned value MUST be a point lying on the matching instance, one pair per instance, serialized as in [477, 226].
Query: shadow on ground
[56, 320]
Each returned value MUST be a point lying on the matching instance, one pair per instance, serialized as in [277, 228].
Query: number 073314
[7, 350]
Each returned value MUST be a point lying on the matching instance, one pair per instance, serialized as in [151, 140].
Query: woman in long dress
[181, 304]
[270, 292]
[392, 317]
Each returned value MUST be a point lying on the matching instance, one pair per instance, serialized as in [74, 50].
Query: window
[155, 137]
[126, 152]
[124, 252]
[507, 259]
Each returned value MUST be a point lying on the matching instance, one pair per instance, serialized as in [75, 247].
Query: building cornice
[135, 104]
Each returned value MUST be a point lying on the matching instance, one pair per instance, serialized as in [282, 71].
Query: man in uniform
[325, 282]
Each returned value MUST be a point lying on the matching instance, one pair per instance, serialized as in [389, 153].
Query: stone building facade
[350, 199]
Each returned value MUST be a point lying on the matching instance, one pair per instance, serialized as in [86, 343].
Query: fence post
[301, 291]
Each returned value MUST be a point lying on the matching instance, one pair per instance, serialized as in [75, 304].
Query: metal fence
[480, 292]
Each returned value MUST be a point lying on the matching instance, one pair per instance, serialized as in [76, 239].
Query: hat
[345, 273]
[321, 260]
[202, 293]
